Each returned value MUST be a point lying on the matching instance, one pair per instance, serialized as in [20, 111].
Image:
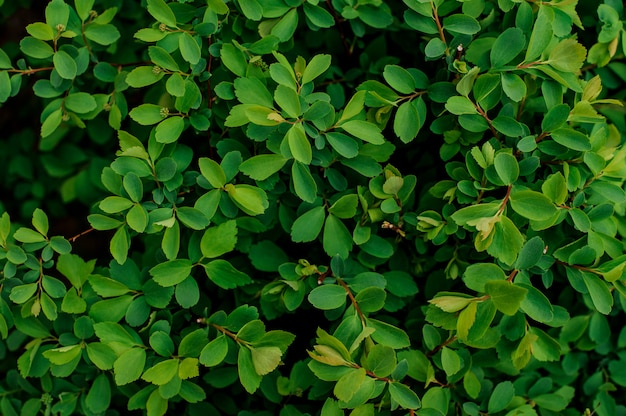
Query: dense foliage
[258, 207]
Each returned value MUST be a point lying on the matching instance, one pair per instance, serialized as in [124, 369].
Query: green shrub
[302, 207]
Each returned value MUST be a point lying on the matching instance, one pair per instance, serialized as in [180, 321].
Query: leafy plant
[340, 207]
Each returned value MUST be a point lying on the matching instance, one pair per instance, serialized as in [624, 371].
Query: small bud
[65, 117]
[164, 112]
[106, 107]
[60, 28]
[93, 14]
[156, 70]
[162, 27]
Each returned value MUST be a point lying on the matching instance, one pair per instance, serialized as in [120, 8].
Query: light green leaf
[162, 12]
[299, 144]
[316, 67]
[506, 296]
[261, 167]
[507, 167]
[162, 372]
[567, 56]
[223, 274]
[147, 114]
[399, 79]
[129, 366]
[65, 65]
[507, 46]
[35, 48]
[248, 376]
[250, 199]
[407, 122]
[337, 240]
[219, 240]
[308, 226]
[541, 35]
[265, 359]
[598, 290]
[170, 129]
[328, 297]
[303, 182]
[171, 272]
[461, 23]
[459, 105]
[212, 172]
[478, 274]
[214, 352]
[189, 48]
[364, 130]
[532, 205]
[288, 100]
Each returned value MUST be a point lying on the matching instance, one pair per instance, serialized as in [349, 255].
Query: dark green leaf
[507, 46]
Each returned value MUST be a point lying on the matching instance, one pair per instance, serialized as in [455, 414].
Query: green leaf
[450, 361]
[265, 359]
[507, 167]
[57, 13]
[303, 182]
[261, 167]
[250, 199]
[40, 221]
[171, 272]
[162, 12]
[223, 274]
[388, 335]
[571, 139]
[532, 205]
[147, 114]
[536, 305]
[299, 144]
[102, 34]
[530, 254]
[119, 245]
[345, 207]
[364, 130]
[5, 61]
[80, 102]
[568, 56]
[349, 383]
[345, 145]
[162, 58]
[541, 35]
[461, 23]
[98, 398]
[308, 226]
[189, 48]
[115, 204]
[214, 352]
[555, 188]
[319, 16]
[399, 79]
[40, 30]
[513, 86]
[507, 46]
[107, 287]
[600, 295]
[62, 355]
[316, 67]
[22, 293]
[142, 76]
[253, 91]
[129, 366]
[501, 396]
[51, 123]
[407, 122]
[212, 172]
[252, 9]
[162, 372]
[192, 218]
[65, 65]
[459, 105]
[328, 297]
[337, 240]
[371, 299]
[83, 7]
[170, 129]
[478, 274]
[234, 59]
[288, 100]
[219, 240]
[506, 296]
[246, 370]
[35, 48]
[286, 26]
